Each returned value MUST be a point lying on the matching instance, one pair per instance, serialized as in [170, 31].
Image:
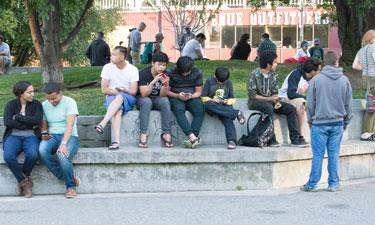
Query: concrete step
[212, 131]
[156, 169]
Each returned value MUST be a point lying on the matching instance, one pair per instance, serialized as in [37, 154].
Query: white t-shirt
[303, 85]
[190, 48]
[117, 77]
[301, 53]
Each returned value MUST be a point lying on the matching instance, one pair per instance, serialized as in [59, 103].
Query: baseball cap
[316, 41]
[187, 26]
[159, 35]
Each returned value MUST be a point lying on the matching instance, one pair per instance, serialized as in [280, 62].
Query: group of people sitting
[50, 129]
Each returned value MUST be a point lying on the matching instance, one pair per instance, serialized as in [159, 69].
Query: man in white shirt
[119, 83]
[5, 59]
[193, 48]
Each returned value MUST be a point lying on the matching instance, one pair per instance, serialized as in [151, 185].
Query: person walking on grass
[329, 111]
[218, 98]
[153, 90]
[119, 83]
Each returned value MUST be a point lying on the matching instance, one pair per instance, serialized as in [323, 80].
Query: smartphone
[187, 95]
[164, 76]
[121, 88]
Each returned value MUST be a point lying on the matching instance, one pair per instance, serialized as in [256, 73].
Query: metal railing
[141, 4]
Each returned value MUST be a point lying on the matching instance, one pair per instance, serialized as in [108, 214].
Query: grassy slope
[91, 101]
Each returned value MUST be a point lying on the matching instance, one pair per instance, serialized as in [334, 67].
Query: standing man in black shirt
[98, 51]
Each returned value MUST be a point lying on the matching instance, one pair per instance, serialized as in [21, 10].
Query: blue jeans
[322, 137]
[195, 107]
[62, 168]
[226, 114]
[13, 146]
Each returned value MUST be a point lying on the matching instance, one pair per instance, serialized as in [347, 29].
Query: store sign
[277, 17]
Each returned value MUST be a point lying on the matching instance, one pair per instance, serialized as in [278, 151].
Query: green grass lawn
[91, 101]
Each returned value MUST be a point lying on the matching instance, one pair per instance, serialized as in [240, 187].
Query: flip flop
[231, 145]
[192, 144]
[165, 142]
[99, 128]
[114, 146]
[370, 137]
[142, 144]
[240, 117]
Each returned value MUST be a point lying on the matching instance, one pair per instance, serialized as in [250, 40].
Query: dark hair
[160, 57]
[20, 87]
[222, 74]
[131, 29]
[101, 35]
[267, 58]
[245, 37]
[121, 49]
[184, 64]
[201, 35]
[303, 43]
[266, 36]
[1, 37]
[311, 63]
[52, 88]
[330, 58]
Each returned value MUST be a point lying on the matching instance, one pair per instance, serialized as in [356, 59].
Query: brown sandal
[165, 142]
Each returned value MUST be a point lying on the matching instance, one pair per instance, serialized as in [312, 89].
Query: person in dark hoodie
[262, 90]
[98, 51]
[329, 111]
[294, 88]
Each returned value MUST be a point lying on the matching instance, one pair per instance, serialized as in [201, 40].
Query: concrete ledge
[212, 131]
[179, 169]
[26, 70]
[88, 137]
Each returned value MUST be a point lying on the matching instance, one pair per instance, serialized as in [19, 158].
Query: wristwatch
[63, 142]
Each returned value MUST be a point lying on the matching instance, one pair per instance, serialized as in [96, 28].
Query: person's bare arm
[356, 63]
[67, 134]
[106, 89]
[199, 53]
[132, 90]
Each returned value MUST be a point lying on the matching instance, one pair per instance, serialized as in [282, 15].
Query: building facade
[283, 23]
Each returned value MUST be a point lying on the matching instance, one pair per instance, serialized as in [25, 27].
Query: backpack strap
[367, 77]
[248, 120]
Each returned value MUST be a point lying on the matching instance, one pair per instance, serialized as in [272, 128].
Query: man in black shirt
[153, 89]
[98, 51]
[186, 83]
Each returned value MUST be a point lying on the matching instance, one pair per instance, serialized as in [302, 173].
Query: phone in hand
[187, 95]
[164, 76]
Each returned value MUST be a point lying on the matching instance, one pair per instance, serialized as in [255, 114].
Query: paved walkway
[354, 205]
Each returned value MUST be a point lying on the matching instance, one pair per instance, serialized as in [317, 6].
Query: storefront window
[241, 30]
[289, 36]
[308, 33]
[275, 35]
[321, 31]
[227, 36]
[256, 35]
[213, 37]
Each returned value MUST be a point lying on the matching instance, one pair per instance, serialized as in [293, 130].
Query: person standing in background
[98, 51]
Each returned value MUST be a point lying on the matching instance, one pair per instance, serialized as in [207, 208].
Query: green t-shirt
[56, 115]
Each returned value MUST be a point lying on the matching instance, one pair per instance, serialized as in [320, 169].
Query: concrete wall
[208, 168]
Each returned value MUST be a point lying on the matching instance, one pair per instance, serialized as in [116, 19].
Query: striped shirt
[371, 62]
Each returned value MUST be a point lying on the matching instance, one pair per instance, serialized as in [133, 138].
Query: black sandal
[165, 142]
[240, 117]
[114, 146]
[143, 144]
[99, 128]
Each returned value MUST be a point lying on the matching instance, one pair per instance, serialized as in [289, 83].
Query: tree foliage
[179, 13]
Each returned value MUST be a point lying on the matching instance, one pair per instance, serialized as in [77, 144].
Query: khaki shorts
[136, 57]
[297, 102]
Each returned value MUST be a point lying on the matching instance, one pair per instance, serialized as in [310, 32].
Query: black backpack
[260, 134]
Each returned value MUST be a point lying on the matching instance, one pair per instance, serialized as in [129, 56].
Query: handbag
[370, 98]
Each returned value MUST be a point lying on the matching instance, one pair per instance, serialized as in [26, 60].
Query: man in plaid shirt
[266, 45]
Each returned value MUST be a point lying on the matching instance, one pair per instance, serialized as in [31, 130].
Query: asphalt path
[354, 205]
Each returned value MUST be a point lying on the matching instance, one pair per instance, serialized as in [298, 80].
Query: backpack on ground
[261, 131]
[146, 57]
